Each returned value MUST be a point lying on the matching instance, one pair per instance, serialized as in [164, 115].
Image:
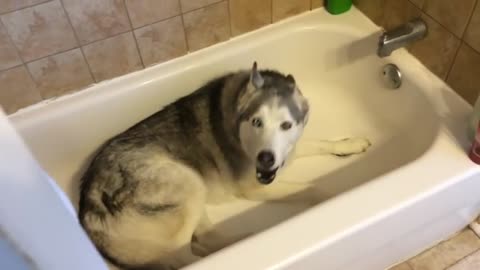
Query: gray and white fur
[143, 196]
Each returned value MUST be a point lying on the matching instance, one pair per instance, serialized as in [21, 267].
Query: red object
[474, 154]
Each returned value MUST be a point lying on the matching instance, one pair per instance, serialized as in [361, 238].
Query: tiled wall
[452, 48]
[49, 48]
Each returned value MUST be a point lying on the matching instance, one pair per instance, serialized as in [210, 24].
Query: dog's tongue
[266, 177]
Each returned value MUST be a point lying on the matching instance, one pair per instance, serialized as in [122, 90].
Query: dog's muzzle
[266, 176]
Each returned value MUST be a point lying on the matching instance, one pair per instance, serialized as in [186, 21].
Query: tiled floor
[461, 252]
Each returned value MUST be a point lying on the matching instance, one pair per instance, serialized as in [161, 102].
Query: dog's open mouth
[266, 176]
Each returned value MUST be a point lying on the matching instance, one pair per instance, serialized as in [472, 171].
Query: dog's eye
[286, 125]
[256, 122]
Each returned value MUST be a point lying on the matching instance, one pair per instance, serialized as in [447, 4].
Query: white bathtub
[414, 187]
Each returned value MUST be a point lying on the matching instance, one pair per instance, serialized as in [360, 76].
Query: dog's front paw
[351, 146]
[199, 250]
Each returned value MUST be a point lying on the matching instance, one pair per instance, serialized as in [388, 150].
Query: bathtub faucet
[401, 36]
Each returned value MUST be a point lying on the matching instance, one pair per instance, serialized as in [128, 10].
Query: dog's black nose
[266, 159]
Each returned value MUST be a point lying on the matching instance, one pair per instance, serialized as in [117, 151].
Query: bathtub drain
[392, 76]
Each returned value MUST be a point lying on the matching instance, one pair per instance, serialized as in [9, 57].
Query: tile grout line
[462, 42]
[452, 63]
[130, 30]
[22, 62]
[464, 257]
[28, 6]
[78, 41]
[441, 24]
[447, 30]
[133, 34]
[421, 8]
[229, 19]
[81, 46]
[469, 19]
[51, 55]
[271, 12]
[205, 7]
[10, 68]
[164, 19]
[196, 9]
[469, 46]
[437, 22]
[185, 33]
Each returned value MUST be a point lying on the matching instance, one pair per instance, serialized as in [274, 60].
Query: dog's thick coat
[143, 196]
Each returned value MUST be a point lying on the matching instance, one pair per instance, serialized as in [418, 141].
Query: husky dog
[143, 196]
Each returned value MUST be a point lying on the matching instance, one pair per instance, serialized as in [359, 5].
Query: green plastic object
[338, 6]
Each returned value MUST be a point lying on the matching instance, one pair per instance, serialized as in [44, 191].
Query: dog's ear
[255, 77]
[291, 81]
[302, 104]
[305, 107]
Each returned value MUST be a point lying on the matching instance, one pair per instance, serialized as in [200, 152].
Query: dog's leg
[202, 234]
[207, 240]
[344, 147]
[184, 254]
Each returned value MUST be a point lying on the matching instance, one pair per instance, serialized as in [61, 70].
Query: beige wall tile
[438, 49]
[113, 57]
[471, 262]
[397, 12]
[402, 266]
[40, 30]
[464, 77]
[189, 5]
[446, 253]
[8, 54]
[374, 9]
[472, 34]
[317, 3]
[61, 73]
[18, 89]
[418, 3]
[207, 26]
[161, 41]
[97, 19]
[454, 15]
[12, 5]
[143, 12]
[285, 8]
[248, 15]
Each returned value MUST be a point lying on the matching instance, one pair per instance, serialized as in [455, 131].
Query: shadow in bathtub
[379, 161]
[352, 52]
[456, 129]
[74, 189]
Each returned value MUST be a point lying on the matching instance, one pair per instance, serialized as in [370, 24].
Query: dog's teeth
[259, 175]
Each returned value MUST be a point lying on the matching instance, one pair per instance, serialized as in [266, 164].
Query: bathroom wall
[452, 47]
[49, 48]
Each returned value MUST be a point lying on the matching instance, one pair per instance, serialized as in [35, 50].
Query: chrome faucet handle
[401, 36]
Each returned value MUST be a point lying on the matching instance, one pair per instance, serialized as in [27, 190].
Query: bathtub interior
[335, 69]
